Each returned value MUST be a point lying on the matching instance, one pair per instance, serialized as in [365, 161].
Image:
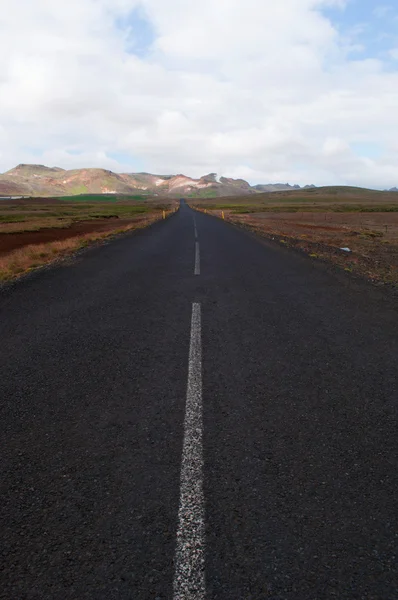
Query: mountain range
[38, 180]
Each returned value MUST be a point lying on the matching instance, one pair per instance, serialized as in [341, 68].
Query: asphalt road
[198, 418]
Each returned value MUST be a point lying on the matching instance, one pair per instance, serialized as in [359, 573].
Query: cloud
[266, 91]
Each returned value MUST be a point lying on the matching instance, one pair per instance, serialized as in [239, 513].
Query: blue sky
[369, 24]
[139, 31]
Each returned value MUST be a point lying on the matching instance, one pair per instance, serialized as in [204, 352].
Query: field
[323, 221]
[37, 231]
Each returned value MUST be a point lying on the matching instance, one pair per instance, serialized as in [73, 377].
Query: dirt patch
[13, 241]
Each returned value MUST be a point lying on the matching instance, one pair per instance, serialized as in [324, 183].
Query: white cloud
[262, 90]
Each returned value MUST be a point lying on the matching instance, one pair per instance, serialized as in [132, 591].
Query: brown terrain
[19, 239]
[37, 231]
[317, 221]
[371, 238]
[372, 242]
[323, 221]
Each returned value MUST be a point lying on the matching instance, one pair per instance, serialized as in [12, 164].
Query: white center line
[195, 228]
[189, 578]
[197, 259]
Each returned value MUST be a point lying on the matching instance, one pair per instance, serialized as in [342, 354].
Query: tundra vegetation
[38, 231]
[322, 221]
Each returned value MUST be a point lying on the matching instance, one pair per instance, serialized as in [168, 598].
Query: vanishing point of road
[190, 413]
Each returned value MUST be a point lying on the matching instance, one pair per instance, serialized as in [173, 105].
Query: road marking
[195, 228]
[189, 577]
[197, 259]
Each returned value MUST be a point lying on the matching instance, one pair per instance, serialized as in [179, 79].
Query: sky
[298, 91]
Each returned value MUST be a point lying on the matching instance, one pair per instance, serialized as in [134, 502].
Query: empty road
[191, 413]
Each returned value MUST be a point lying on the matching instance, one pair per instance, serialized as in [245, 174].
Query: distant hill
[39, 180]
[276, 187]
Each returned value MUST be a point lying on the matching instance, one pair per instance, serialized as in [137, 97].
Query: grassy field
[114, 198]
[32, 215]
[202, 194]
[314, 199]
[322, 221]
[37, 231]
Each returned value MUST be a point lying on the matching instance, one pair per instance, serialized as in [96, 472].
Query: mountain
[394, 189]
[11, 188]
[276, 187]
[39, 180]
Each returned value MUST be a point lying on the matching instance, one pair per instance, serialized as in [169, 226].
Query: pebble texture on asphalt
[299, 393]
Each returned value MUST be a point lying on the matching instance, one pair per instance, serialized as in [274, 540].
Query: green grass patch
[79, 189]
[202, 194]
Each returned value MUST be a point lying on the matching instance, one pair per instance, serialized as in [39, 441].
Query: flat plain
[323, 221]
[36, 231]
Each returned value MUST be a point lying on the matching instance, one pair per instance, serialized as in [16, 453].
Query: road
[191, 412]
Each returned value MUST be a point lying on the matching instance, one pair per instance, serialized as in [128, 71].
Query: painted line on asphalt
[189, 577]
[195, 229]
[197, 259]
